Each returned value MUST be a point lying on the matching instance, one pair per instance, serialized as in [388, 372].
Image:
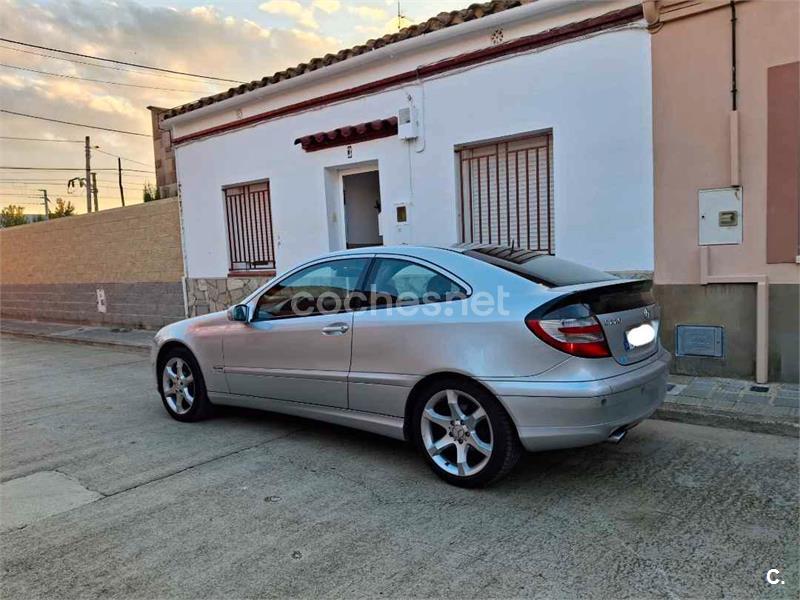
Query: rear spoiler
[607, 297]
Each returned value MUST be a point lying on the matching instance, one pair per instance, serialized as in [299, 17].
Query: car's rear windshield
[539, 267]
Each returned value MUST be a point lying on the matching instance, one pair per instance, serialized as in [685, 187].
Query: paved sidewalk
[711, 401]
[733, 403]
[83, 334]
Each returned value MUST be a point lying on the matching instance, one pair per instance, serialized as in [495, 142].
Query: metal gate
[250, 236]
[507, 193]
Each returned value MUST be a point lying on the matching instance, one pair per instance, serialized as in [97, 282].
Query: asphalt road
[259, 505]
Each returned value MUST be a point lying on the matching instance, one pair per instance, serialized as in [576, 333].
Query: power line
[19, 114]
[133, 85]
[89, 64]
[122, 157]
[68, 169]
[3, 137]
[119, 62]
[57, 183]
[100, 184]
[132, 176]
[27, 139]
[34, 179]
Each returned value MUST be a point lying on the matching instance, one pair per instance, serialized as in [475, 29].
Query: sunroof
[510, 253]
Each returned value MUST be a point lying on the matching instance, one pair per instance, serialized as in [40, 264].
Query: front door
[362, 209]
[297, 344]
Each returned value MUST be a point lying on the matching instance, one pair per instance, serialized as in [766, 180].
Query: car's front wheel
[464, 433]
[182, 388]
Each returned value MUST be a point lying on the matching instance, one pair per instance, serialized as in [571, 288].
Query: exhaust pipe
[617, 436]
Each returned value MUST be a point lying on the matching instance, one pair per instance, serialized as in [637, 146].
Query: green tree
[150, 193]
[12, 215]
[62, 209]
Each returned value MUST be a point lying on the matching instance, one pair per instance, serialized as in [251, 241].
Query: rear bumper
[551, 415]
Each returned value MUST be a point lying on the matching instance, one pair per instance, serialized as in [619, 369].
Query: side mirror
[238, 313]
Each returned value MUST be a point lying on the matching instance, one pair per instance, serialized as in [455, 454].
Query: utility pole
[46, 208]
[94, 191]
[88, 181]
[119, 174]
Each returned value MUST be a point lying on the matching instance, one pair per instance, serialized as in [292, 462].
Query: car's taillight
[579, 337]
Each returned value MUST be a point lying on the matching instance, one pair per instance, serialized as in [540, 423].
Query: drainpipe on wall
[652, 15]
[761, 281]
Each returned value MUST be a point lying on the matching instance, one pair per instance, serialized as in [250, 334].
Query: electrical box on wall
[401, 225]
[720, 215]
[700, 340]
[407, 123]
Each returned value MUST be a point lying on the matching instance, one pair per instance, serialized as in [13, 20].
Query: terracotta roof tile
[440, 21]
[349, 134]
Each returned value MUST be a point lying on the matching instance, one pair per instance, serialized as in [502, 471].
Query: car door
[297, 344]
[403, 333]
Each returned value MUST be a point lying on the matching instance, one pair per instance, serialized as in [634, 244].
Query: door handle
[335, 329]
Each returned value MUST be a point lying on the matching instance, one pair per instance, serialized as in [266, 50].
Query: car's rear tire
[182, 387]
[464, 433]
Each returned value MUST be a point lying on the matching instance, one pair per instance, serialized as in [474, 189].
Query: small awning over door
[349, 134]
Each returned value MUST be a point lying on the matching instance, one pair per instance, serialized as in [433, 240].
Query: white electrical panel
[402, 225]
[407, 123]
[720, 215]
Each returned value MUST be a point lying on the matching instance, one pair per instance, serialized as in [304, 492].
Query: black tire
[505, 445]
[201, 408]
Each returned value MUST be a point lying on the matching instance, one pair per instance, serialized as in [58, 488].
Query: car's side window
[318, 289]
[400, 282]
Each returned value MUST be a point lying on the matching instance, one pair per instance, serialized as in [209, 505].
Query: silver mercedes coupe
[473, 353]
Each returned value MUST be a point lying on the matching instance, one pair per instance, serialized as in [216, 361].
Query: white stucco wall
[594, 93]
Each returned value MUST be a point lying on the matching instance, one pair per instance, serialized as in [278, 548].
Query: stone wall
[210, 295]
[122, 266]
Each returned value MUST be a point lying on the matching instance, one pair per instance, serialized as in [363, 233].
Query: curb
[710, 417]
[84, 342]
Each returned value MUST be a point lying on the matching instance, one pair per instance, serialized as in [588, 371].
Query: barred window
[506, 195]
[251, 240]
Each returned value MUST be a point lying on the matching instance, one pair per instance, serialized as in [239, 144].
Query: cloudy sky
[235, 39]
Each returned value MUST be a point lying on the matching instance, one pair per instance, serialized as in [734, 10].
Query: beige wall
[692, 103]
[136, 244]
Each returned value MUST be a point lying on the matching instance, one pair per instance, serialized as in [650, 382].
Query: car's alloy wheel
[183, 389]
[178, 385]
[456, 433]
[464, 433]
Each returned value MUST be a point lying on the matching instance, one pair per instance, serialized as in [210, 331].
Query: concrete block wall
[52, 270]
[733, 307]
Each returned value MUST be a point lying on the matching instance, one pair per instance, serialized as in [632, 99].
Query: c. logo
[772, 577]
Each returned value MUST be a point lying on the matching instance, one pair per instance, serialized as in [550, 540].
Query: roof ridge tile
[436, 23]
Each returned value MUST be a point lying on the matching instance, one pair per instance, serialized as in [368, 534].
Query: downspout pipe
[734, 90]
[761, 281]
[652, 15]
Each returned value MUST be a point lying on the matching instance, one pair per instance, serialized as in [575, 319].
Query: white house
[509, 122]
